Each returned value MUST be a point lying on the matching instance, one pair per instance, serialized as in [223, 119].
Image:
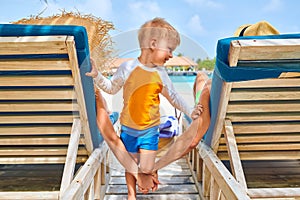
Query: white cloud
[273, 5]
[144, 10]
[195, 25]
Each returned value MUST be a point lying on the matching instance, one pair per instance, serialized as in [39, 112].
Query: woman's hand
[197, 111]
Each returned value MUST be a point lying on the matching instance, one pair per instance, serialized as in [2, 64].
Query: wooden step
[176, 180]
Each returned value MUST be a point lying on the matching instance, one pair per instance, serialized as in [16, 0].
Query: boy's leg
[131, 182]
[131, 186]
[147, 161]
[117, 146]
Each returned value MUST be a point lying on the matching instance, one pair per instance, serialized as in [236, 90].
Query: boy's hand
[197, 111]
[94, 72]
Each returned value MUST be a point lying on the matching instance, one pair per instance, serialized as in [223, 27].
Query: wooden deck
[177, 182]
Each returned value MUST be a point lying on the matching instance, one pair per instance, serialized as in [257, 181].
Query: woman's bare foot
[199, 83]
[204, 119]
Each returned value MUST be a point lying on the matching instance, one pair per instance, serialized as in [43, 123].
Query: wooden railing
[90, 182]
[216, 181]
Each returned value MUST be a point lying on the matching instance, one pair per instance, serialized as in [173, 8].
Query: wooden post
[214, 190]
[71, 156]
[97, 184]
[199, 168]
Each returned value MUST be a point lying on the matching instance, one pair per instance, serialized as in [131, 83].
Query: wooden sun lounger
[47, 113]
[255, 113]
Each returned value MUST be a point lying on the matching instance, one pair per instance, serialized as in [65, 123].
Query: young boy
[143, 79]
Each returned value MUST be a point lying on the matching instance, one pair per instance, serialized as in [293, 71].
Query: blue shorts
[140, 139]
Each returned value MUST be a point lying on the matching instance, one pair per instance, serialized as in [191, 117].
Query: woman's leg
[192, 136]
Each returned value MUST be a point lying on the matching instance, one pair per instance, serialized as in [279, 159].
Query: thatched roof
[180, 61]
[116, 62]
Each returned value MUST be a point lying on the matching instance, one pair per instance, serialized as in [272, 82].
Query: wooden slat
[264, 147]
[224, 99]
[38, 160]
[234, 53]
[34, 64]
[267, 117]
[264, 49]
[33, 45]
[185, 189]
[289, 75]
[268, 83]
[265, 95]
[38, 151]
[79, 90]
[294, 193]
[276, 164]
[264, 155]
[29, 195]
[271, 138]
[34, 140]
[72, 152]
[257, 128]
[23, 119]
[42, 80]
[235, 161]
[35, 130]
[19, 94]
[215, 190]
[38, 106]
[254, 107]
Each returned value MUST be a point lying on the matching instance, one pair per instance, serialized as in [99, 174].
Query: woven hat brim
[259, 28]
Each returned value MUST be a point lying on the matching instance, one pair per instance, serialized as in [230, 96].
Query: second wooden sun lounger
[252, 147]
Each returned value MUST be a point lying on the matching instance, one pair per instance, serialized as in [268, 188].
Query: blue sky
[201, 21]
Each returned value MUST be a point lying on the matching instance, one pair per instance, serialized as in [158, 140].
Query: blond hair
[157, 28]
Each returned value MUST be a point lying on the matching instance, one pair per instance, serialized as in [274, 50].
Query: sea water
[184, 86]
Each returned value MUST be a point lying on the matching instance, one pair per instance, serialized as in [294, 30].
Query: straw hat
[259, 28]
[97, 30]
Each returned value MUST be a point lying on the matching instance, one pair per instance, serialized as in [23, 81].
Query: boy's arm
[110, 86]
[175, 99]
